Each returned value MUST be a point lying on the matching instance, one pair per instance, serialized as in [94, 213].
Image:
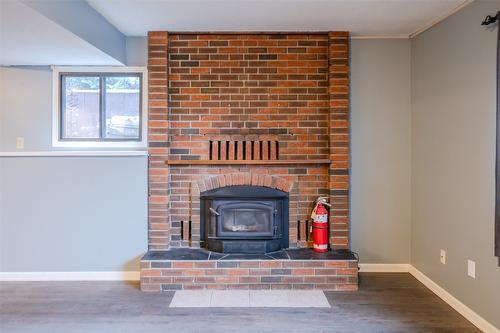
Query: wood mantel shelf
[247, 162]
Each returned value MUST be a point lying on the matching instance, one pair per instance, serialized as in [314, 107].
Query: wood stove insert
[244, 219]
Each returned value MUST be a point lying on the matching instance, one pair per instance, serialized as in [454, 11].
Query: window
[99, 108]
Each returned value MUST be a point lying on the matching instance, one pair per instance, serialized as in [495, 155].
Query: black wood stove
[244, 219]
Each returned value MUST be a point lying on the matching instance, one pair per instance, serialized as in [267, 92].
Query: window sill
[64, 153]
[99, 144]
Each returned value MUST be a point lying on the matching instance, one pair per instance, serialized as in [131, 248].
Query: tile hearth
[288, 254]
[249, 298]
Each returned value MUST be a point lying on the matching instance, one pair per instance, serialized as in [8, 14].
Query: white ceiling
[29, 38]
[368, 18]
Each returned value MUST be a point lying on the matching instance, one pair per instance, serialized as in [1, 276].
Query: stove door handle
[213, 211]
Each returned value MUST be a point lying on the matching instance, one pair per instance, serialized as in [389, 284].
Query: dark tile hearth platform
[190, 268]
[288, 254]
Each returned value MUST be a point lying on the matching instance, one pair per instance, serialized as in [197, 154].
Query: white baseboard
[463, 309]
[70, 276]
[460, 307]
[65, 153]
[384, 268]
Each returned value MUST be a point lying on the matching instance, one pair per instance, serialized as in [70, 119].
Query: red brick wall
[158, 142]
[339, 138]
[290, 88]
[249, 85]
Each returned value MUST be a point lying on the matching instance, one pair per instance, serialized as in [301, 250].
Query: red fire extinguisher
[320, 225]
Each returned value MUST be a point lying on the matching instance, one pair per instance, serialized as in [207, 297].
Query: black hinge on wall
[490, 19]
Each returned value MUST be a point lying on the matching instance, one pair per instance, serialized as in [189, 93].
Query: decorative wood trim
[245, 162]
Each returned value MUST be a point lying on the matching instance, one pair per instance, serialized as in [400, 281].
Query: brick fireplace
[268, 110]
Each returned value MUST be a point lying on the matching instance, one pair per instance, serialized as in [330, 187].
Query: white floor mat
[249, 298]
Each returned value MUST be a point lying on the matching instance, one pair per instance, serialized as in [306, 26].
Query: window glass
[122, 107]
[101, 107]
[80, 107]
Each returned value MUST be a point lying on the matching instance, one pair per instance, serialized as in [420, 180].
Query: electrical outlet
[471, 268]
[443, 257]
[20, 142]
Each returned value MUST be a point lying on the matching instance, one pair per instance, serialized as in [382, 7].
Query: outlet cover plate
[20, 142]
[471, 268]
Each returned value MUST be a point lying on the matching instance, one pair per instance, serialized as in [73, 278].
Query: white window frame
[56, 107]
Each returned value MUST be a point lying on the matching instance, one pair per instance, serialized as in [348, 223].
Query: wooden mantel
[247, 162]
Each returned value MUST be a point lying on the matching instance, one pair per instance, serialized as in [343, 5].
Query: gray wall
[108, 207]
[381, 154]
[137, 51]
[72, 213]
[26, 108]
[453, 142]
[63, 213]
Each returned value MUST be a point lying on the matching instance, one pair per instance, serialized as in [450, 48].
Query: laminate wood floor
[386, 302]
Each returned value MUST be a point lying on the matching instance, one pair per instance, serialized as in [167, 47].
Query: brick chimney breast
[240, 101]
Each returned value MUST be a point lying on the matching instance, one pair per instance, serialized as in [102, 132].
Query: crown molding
[366, 37]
